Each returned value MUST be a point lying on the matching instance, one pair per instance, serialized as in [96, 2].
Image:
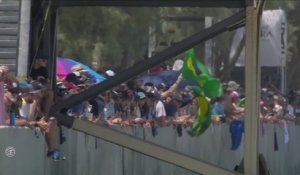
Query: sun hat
[110, 73]
[232, 86]
[76, 68]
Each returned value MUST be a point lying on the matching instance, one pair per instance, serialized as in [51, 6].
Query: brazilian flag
[207, 86]
[193, 69]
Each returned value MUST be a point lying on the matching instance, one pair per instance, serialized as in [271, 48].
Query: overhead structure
[153, 3]
[249, 15]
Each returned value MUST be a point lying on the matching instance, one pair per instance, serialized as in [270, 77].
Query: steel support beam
[148, 148]
[252, 69]
[144, 65]
[153, 3]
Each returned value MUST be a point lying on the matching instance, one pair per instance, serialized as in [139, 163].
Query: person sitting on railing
[45, 99]
[48, 126]
[39, 72]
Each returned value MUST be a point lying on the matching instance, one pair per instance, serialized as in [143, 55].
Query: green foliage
[103, 34]
[115, 36]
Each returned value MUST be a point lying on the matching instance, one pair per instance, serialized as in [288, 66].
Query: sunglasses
[43, 60]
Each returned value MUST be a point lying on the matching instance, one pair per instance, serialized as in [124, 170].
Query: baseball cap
[141, 95]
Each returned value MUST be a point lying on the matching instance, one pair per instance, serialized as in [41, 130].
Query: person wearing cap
[232, 86]
[231, 109]
[172, 104]
[31, 115]
[75, 75]
[171, 99]
[39, 73]
[141, 111]
[24, 105]
[45, 98]
[31, 112]
[12, 102]
[157, 109]
[10, 99]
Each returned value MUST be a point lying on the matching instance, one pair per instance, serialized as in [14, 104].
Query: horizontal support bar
[153, 3]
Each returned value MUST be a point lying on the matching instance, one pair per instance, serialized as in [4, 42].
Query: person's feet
[55, 155]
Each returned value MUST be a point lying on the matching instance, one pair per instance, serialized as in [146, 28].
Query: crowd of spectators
[138, 103]
[134, 103]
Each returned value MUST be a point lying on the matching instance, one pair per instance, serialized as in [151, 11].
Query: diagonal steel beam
[153, 3]
[148, 148]
[144, 65]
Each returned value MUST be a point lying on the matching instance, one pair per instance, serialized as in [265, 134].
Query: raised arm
[3, 72]
[173, 88]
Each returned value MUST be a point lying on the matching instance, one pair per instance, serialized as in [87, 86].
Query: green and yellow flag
[192, 67]
[208, 86]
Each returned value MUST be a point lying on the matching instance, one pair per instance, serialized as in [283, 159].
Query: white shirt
[290, 109]
[160, 110]
[24, 110]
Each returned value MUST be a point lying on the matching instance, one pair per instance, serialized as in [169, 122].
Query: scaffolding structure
[249, 15]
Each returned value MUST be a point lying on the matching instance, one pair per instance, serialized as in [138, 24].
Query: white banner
[273, 40]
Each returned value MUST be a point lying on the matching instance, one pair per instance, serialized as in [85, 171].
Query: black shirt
[71, 77]
[39, 72]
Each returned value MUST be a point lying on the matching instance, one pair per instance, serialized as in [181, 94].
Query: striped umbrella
[64, 65]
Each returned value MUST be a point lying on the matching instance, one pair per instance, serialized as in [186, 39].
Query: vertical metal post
[208, 57]
[252, 70]
[151, 40]
[52, 46]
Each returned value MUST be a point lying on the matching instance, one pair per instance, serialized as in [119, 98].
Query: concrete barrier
[87, 155]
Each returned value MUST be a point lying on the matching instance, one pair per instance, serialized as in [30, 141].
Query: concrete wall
[87, 155]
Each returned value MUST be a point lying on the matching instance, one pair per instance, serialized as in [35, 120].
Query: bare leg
[51, 133]
[48, 101]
